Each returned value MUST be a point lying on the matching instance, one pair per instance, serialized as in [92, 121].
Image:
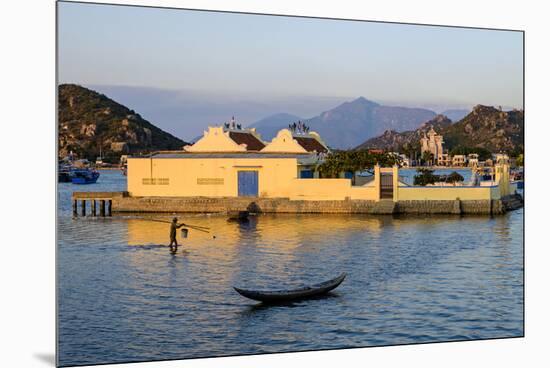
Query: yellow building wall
[445, 193]
[277, 178]
[215, 140]
[328, 189]
[163, 177]
[189, 177]
[284, 142]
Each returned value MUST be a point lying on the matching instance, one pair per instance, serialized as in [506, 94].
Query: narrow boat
[84, 176]
[278, 296]
[241, 216]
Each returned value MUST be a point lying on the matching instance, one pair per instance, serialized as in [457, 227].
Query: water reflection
[123, 296]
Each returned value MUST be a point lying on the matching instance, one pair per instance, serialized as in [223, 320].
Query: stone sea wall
[124, 203]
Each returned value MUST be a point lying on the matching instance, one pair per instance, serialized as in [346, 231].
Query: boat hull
[87, 179]
[280, 296]
[64, 177]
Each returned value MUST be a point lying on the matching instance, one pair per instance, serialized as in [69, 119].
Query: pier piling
[83, 207]
[93, 197]
[102, 208]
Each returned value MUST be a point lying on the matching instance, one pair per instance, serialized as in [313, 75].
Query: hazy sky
[263, 56]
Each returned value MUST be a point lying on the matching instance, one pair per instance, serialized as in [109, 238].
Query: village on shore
[230, 168]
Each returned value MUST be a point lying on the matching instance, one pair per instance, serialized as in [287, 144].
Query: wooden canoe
[278, 296]
[241, 216]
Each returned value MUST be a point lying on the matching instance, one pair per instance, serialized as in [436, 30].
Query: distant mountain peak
[362, 99]
[439, 121]
[483, 108]
[363, 102]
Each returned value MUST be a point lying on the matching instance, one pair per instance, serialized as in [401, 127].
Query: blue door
[306, 174]
[248, 183]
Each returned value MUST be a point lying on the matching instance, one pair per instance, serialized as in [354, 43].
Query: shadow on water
[298, 303]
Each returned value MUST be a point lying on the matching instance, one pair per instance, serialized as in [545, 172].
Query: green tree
[425, 177]
[427, 157]
[454, 177]
[353, 161]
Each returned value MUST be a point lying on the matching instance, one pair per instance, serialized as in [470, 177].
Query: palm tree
[427, 157]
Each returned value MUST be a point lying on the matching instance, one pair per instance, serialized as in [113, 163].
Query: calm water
[410, 280]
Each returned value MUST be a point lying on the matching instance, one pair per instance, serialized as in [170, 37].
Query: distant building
[459, 160]
[376, 151]
[443, 159]
[433, 143]
[473, 159]
[501, 158]
[405, 160]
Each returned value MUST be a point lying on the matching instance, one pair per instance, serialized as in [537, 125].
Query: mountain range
[90, 123]
[392, 140]
[484, 127]
[351, 123]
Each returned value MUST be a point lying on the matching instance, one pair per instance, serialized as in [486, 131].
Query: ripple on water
[123, 297]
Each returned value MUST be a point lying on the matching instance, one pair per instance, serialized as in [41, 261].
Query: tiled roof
[252, 143]
[311, 144]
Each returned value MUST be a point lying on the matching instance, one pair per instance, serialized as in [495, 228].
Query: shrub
[425, 177]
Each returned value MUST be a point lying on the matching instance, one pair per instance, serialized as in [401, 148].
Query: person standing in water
[173, 227]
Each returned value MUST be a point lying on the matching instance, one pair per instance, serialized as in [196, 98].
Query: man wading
[173, 227]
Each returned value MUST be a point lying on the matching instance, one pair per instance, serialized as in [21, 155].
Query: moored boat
[241, 216]
[84, 176]
[64, 176]
[278, 296]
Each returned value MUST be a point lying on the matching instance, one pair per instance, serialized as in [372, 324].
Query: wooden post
[102, 208]
[109, 210]
[93, 207]
[83, 207]
[75, 208]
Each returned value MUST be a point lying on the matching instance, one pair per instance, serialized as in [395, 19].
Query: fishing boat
[84, 176]
[241, 216]
[64, 174]
[278, 296]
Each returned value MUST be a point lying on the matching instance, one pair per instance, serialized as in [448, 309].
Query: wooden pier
[105, 200]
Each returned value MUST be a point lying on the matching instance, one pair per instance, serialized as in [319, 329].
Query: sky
[276, 61]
